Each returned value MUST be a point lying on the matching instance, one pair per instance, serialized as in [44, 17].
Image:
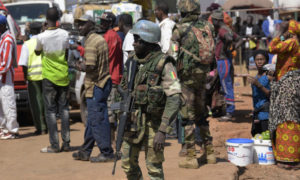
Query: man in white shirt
[52, 44]
[166, 25]
[125, 24]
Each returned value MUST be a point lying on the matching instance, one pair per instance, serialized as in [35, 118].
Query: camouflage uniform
[157, 101]
[192, 75]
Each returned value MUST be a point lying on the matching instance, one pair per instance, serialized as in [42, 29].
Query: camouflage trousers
[154, 159]
[111, 99]
[194, 111]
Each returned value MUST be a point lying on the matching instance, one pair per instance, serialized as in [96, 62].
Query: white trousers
[8, 109]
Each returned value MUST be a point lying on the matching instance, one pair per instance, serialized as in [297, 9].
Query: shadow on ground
[242, 116]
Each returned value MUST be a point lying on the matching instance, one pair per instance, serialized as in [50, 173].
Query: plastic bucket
[240, 151]
[263, 152]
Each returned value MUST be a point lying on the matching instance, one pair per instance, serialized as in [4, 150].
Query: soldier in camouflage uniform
[157, 101]
[192, 75]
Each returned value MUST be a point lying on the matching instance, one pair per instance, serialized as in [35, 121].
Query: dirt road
[21, 159]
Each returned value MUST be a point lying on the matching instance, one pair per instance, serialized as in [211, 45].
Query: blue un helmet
[147, 30]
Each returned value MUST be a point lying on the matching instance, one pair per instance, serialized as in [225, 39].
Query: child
[260, 92]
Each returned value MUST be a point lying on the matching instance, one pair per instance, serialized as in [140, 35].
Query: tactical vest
[148, 91]
[34, 62]
[150, 97]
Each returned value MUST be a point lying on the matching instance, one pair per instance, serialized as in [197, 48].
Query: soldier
[157, 101]
[192, 71]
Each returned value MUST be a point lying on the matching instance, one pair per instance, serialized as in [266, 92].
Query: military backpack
[206, 45]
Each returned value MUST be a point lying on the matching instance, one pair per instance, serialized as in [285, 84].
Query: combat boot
[208, 156]
[191, 161]
[209, 153]
[183, 151]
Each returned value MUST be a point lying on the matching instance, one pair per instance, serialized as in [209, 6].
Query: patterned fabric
[294, 27]
[157, 101]
[191, 6]
[285, 100]
[185, 38]
[156, 94]
[160, 87]
[194, 113]
[8, 109]
[192, 75]
[112, 116]
[287, 147]
[288, 58]
[96, 55]
[154, 159]
[7, 49]
[227, 19]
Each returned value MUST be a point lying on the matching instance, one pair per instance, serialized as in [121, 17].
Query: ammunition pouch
[135, 127]
[141, 94]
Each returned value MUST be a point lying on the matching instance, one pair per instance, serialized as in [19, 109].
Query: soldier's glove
[159, 141]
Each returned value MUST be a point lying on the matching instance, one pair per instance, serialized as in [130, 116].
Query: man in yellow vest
[32, 68]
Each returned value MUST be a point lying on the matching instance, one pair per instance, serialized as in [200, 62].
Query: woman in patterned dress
[284, 119]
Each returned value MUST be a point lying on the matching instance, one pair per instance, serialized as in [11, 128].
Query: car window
[23, 13]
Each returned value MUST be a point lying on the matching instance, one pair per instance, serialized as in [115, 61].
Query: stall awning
[236, 4]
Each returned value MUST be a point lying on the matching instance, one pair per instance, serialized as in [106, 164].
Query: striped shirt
[96, 56]
[7, 48]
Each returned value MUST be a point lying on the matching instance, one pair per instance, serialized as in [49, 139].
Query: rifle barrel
[115, 163]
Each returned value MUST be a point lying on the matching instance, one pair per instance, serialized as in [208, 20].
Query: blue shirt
[121, 34]
[265, 26]
[259, 97]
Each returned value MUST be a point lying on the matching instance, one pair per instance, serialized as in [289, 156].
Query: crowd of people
[169, 83]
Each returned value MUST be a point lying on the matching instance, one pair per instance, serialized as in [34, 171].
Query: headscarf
[226, 18]
[294, 27]
[217, 14]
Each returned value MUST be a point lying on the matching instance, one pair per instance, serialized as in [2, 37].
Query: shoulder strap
[188, 30]
[161, 64]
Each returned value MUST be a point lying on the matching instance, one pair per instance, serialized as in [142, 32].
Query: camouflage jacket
[156, 92]
[183, 37]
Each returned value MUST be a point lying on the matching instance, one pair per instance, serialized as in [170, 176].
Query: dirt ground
[21, 159]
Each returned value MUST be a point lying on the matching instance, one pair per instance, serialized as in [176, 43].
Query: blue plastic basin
[240, 140]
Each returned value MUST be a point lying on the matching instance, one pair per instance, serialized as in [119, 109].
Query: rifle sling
[194, 56]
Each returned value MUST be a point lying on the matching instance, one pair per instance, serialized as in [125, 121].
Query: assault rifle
[125, 106]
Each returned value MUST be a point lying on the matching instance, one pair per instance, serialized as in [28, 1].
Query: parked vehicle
[29, 11]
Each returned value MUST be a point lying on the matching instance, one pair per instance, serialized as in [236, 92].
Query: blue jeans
[55, 99]
[226, 83]
[98, 127]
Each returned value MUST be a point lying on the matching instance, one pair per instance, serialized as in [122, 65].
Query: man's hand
[159, 141]
[79, 65]
[253, 81]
